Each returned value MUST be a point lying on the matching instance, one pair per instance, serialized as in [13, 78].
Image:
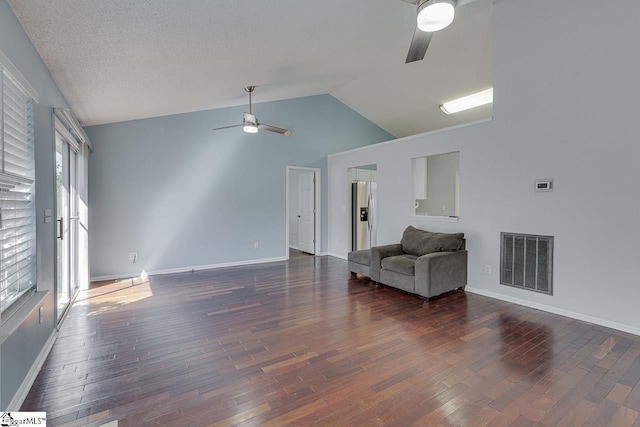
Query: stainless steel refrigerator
[363, 211]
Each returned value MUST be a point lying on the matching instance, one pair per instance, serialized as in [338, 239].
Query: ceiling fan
[250, 122]
[433, 15]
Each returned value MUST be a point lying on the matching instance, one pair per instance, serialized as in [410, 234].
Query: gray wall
[566, 108]
[182, 195]
[19, 351]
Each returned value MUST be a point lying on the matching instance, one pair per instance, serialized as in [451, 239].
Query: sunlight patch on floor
[109, 297]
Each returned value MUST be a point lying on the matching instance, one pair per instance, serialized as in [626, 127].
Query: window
[17, 204]
[436, 185]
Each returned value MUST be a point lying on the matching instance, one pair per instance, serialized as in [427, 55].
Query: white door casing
[294, 205]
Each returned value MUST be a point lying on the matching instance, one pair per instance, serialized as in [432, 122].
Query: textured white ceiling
[120, 60]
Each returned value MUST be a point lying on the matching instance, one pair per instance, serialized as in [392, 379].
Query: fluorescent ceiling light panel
[468, 102]
[434, 15]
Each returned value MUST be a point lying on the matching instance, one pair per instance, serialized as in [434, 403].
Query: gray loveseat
[423, 263]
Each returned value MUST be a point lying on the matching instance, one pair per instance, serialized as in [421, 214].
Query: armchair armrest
[440, 272]
[379, 252]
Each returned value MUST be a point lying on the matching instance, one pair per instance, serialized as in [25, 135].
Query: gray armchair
[423, 263]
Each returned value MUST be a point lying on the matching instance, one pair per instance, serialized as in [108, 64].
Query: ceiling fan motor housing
[250, 119]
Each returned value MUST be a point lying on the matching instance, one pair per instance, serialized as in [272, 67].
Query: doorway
[66, 164]
[303, 209]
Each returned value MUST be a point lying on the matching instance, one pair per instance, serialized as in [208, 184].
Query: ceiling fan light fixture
[250, 127]
[250, 122]
[467, 102]
[434, 15]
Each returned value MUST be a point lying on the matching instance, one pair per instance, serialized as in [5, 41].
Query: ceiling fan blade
[285, 132]
[227, 127]
[419, 45]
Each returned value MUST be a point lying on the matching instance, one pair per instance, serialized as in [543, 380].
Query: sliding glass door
[66, 224]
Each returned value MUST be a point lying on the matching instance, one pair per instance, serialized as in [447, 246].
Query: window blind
[17, 205]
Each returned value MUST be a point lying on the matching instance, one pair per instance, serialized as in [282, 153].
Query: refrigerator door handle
[370, 211]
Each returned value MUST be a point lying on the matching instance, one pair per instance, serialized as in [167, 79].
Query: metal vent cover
[526, 261]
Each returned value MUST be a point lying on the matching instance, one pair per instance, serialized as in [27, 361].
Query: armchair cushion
[420, 242]
[403, 264]
[378, 253]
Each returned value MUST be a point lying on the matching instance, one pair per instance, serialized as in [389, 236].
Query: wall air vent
[526, 261]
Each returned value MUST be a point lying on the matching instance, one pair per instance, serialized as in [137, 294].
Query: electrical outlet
[487, 269]
[133, 257]
[255, 245]
[40, 314]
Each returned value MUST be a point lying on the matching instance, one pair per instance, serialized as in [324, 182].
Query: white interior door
[306, 211]
[293, 211]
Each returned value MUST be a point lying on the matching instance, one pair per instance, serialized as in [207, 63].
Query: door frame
[317, 173]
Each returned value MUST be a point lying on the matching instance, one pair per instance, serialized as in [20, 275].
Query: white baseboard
[336, 255]
[556, 310]
[22, 392]
[189, 269]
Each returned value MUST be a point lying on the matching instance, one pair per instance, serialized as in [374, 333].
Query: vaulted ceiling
[120, 60]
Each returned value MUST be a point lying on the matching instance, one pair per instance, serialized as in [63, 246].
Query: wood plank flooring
[295, 254]
[301, 343]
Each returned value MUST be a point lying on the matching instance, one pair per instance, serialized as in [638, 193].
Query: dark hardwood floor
[295, 254]
[300, 343]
